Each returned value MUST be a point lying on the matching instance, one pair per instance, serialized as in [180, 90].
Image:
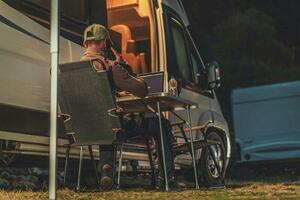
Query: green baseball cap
[96, 32]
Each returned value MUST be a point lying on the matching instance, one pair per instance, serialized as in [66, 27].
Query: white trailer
[266, 122]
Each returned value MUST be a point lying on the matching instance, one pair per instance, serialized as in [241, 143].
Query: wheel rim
[215, 160]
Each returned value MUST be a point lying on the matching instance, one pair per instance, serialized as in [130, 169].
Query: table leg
[192, 146]
[162, 146]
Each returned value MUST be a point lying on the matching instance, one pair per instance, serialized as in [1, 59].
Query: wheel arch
[225, 137]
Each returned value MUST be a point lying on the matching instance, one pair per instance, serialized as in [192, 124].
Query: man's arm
[126, 82]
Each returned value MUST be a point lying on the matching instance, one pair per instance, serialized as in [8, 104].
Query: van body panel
[24, 22]
[220, 122]
[266, 121]
[28, 76]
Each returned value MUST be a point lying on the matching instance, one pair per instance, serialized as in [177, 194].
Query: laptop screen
[154, 81]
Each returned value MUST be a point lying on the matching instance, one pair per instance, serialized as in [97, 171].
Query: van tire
[207, 171]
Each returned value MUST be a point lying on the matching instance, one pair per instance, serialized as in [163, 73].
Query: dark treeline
[256, 42]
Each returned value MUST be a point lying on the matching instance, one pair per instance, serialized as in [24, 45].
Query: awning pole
[54, 50]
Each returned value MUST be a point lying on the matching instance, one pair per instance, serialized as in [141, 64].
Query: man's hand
[111, 63]
[118, 56]
[123, 94]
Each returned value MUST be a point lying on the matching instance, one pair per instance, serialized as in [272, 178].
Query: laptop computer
[154, 81]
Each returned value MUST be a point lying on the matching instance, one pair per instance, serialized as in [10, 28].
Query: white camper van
[158, 30]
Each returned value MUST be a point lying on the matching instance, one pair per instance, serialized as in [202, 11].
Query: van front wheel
[211, 165]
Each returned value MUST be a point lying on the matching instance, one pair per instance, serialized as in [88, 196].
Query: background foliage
[255, 42]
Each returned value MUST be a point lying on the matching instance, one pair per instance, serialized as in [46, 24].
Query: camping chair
[85, 95]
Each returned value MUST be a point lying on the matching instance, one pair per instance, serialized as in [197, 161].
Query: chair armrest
[64, 116]
[196, 128]
[115, 112]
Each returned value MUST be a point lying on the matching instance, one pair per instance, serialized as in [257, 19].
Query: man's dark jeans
[147, 126]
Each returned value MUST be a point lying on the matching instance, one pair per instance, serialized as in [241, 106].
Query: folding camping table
[158, 103]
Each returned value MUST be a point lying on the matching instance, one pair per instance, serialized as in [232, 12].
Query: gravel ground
[26, 179]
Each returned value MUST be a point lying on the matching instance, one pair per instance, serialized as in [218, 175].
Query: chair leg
[153, 181]
[79, 169]
[120, 166]
[66, 163]
[94, 165]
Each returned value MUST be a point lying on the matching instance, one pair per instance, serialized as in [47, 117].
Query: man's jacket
[123, 81]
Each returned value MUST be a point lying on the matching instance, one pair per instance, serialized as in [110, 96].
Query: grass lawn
[245, 183]
[252, 191]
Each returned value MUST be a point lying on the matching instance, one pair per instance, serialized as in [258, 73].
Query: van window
[196, 64]
[42, 3]
[184, 61]
[73, 9]
[178, 52]
[75, 14]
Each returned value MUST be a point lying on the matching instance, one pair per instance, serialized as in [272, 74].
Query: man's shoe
[160, 182]
[106, 181]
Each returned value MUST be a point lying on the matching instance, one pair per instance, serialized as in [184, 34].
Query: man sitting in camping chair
[98, 44]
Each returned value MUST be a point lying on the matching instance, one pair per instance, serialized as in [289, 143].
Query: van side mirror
[213, 76]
